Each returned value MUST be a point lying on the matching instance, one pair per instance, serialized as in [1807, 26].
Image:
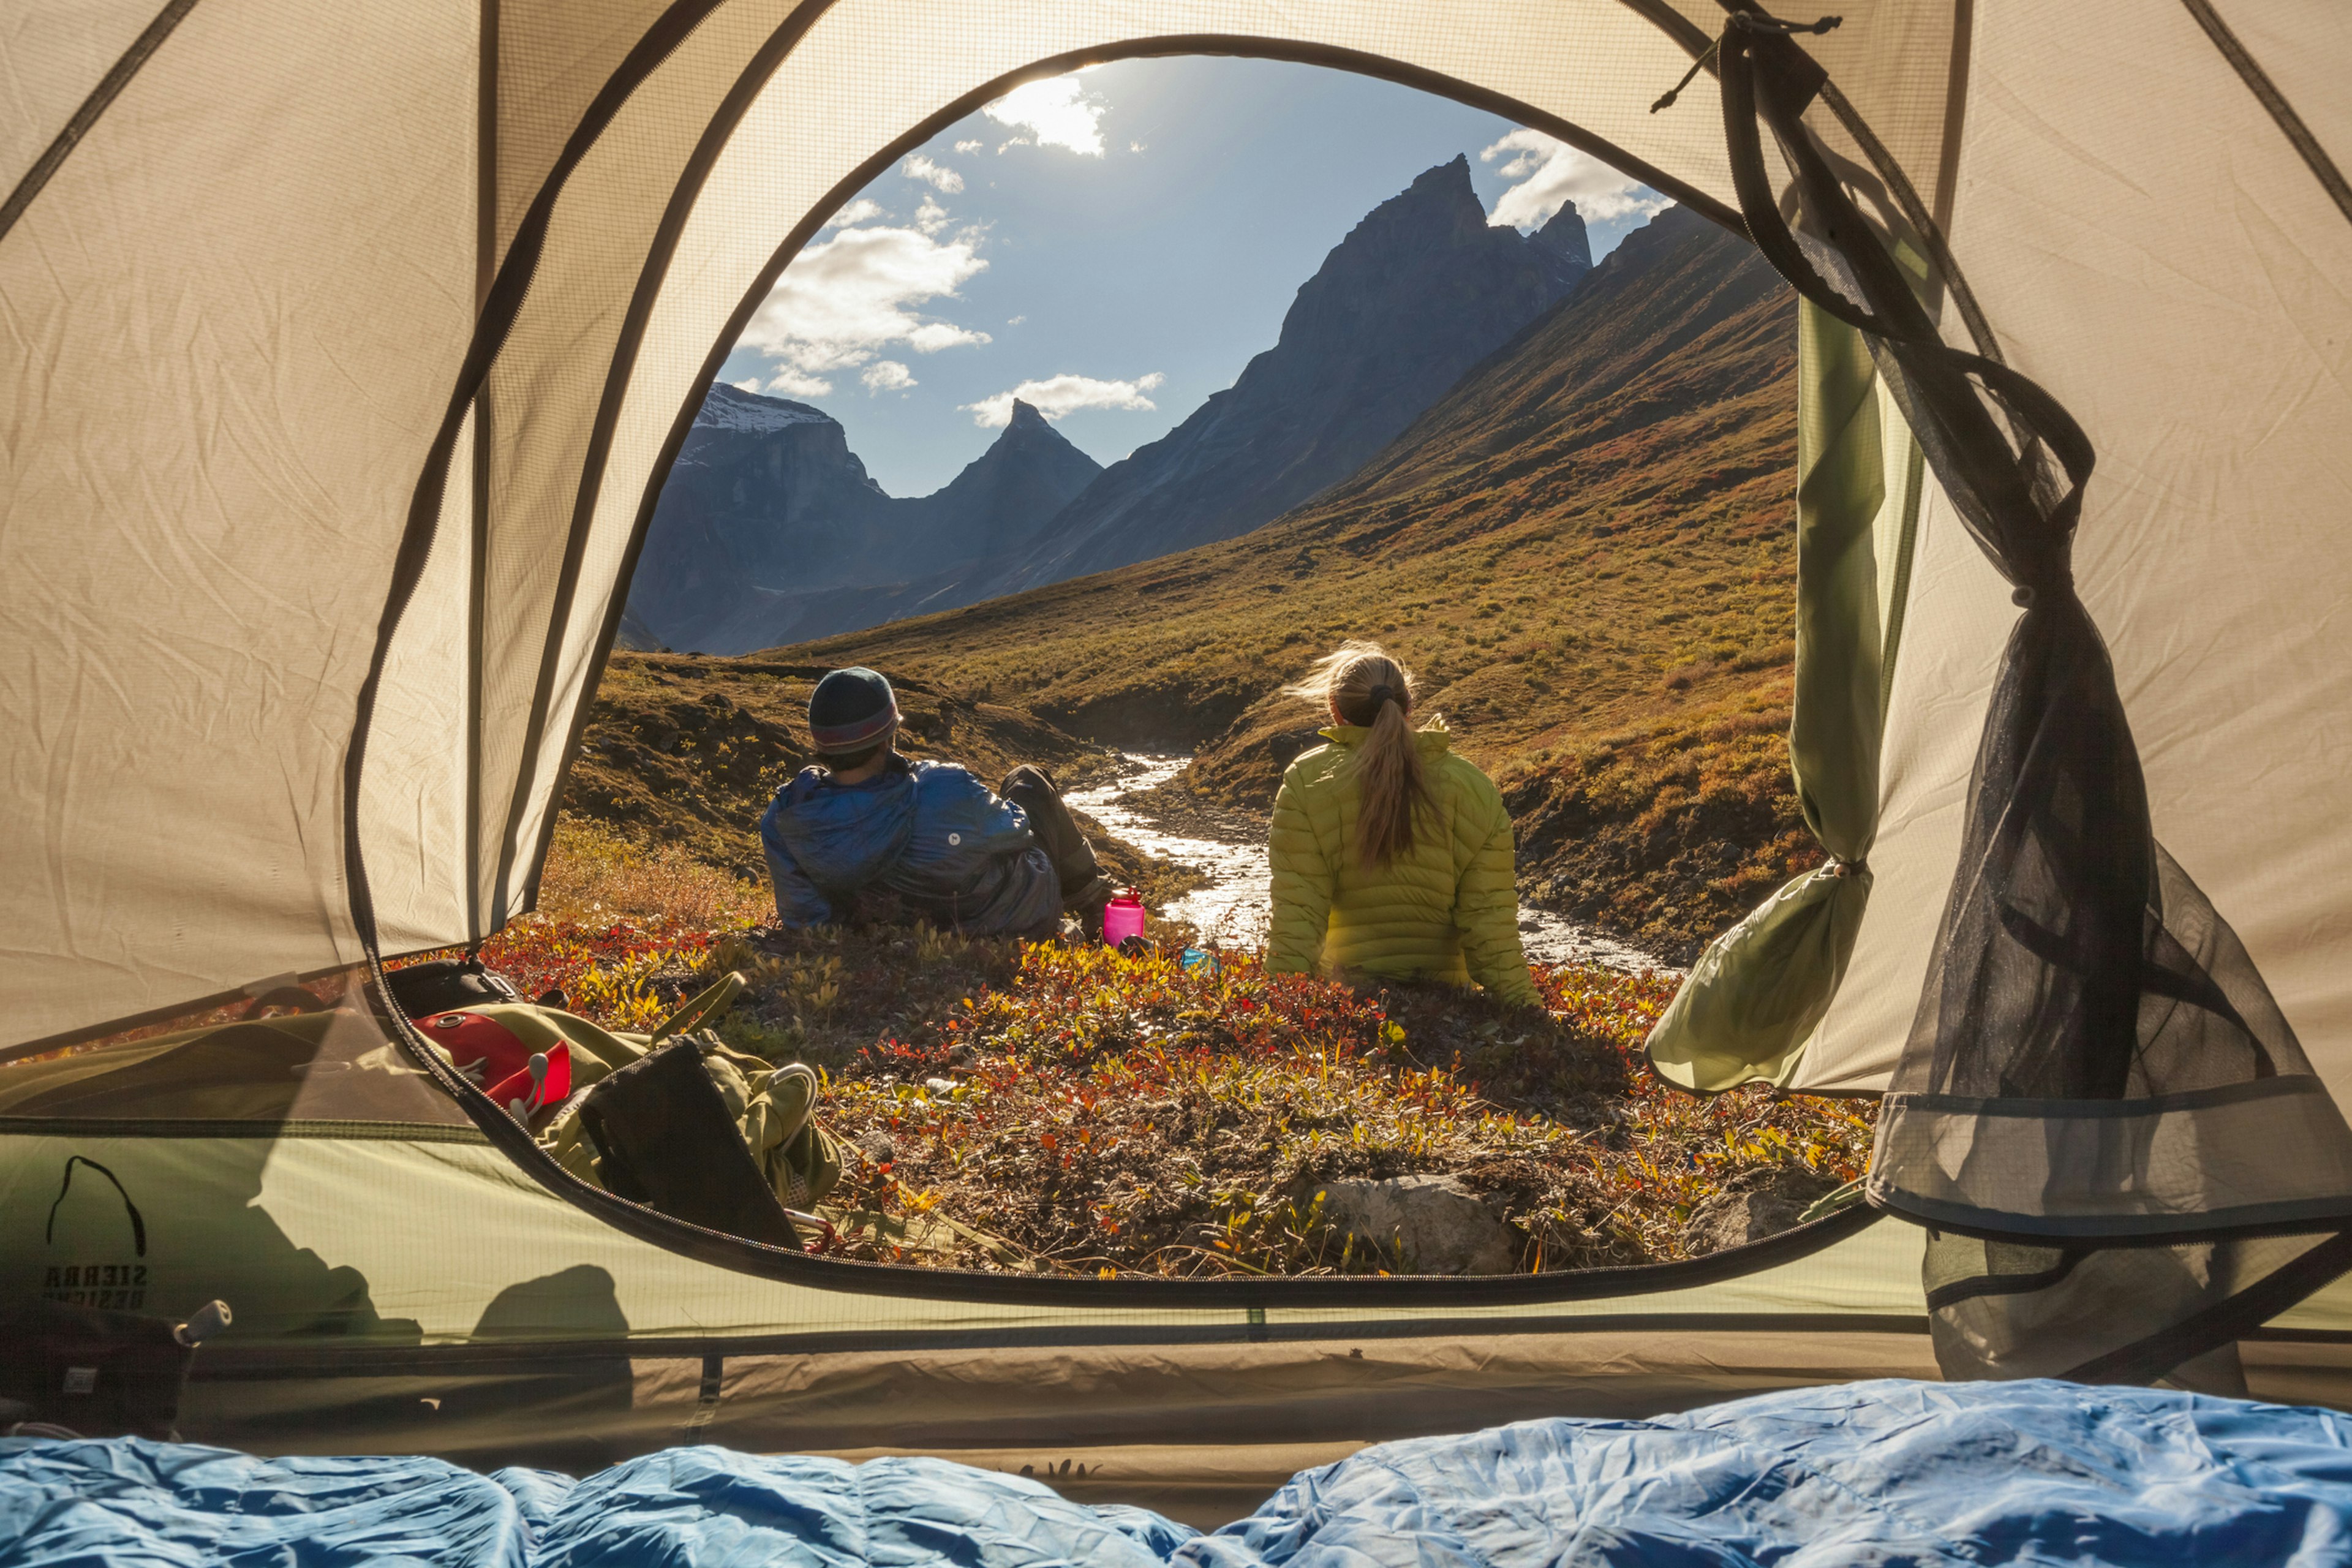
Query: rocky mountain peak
[1028, 443]
[1563, 234]
[726, 407]
[1449, 180]
[1439, 207]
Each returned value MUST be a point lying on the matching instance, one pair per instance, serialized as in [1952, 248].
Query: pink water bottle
[1123, 917]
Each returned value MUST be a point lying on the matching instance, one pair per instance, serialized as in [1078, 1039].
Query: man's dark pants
[1040, 799]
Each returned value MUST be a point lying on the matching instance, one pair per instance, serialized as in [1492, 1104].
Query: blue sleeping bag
[1871, 1473]
[1867, 1473]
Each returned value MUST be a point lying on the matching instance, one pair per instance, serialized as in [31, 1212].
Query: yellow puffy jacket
[1446, 911]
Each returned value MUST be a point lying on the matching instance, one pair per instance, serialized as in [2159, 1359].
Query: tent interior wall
[351, 346]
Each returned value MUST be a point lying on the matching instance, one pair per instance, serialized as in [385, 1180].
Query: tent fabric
[1880, 1472]
[189, 531]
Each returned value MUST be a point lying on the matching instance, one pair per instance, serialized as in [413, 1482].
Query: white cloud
[1015, 321]
[841, 302]
[972, 146]
[793, 383]
[1059, 394]
[887, 376]
[1551, 173]
[1055, 112]
[930, 337]
[749, 383]
[931, 217]
[946, 180]
[857, 212]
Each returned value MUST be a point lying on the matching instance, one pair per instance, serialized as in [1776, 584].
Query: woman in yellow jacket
[1391, 855]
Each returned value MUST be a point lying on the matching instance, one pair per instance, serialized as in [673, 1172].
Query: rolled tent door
[1752, 1000]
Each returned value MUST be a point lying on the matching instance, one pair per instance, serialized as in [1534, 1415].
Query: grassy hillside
[1585, 551]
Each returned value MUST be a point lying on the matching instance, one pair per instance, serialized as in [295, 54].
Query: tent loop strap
[1675, 91]
[138, 1221]
[1759, 23]
[1751, 21]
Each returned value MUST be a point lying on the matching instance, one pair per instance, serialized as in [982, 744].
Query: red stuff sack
[493, 1057]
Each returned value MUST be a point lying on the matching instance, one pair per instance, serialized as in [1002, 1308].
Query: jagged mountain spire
[767, 499]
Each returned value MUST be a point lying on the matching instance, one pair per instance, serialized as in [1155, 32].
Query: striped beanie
[851, 709]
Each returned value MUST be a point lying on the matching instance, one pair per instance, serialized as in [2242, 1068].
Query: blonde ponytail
[1372, 691]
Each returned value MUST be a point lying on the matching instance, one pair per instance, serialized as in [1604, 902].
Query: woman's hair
[1374, 692]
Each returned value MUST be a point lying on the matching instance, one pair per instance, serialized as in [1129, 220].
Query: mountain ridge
[1419, 289]
[1217, 474]
[766, 489]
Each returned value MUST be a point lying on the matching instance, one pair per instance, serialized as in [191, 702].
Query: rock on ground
[1734, 1219]
[1436, 1223]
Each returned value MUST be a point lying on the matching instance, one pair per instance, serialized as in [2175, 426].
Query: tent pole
[486, 270]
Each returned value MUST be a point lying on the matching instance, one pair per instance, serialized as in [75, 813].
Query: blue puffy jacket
[927, 832]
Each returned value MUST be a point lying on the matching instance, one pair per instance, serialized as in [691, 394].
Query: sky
[1113, 246]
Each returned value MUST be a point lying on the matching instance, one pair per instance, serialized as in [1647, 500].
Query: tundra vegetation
[1049, 1107]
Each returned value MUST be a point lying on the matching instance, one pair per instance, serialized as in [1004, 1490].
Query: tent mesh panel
[2076, 960]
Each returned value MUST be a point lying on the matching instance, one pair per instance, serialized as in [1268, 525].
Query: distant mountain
[1005, 494]
[767, 501]
[1418, 293]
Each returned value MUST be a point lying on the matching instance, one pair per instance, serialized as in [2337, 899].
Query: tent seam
[516, 272]
[102, 97]
[728, 114]
[2274, 103]
[252, 1360]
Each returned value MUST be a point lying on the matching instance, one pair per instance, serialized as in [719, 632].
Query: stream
[1236, 905]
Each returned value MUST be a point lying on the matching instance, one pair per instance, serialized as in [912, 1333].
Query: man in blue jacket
[940, 841]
